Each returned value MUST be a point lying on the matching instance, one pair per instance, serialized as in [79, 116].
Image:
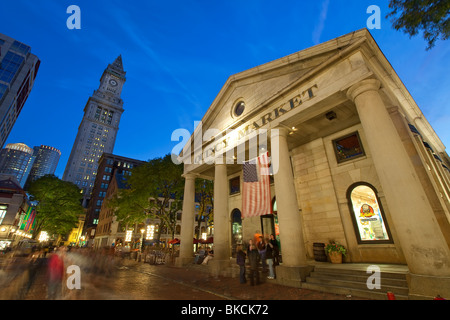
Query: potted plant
[335, 251]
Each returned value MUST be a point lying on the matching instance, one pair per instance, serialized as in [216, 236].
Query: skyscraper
[46, 161]
[98, 129]
[18, 70]
[16, 159]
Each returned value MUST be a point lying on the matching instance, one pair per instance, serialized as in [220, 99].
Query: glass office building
[18, 70]
[17, 159]
[46, 161]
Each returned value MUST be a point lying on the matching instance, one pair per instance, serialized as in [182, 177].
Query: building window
[9, 66]
[348, 148]
[367, 214]
[3, 89]
[239, 108]
[3, 210]
[235, 185]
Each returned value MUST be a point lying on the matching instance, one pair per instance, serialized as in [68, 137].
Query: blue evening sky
[178, 55]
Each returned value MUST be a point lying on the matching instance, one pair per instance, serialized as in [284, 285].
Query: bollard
[390, 295]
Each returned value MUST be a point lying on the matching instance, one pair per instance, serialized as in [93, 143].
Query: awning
[174, 241]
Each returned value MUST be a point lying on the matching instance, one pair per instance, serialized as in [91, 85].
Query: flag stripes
[256, 200]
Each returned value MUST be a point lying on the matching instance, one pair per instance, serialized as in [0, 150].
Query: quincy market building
[356, 162]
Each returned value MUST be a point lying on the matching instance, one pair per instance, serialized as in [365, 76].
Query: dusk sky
[179, 54]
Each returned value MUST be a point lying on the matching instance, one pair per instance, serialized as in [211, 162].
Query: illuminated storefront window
[368, 217]
[128, 235]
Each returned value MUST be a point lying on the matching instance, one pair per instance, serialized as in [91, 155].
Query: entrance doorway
[269, 224]
[236, 231]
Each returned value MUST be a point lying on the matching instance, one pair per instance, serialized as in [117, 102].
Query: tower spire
[117, 64]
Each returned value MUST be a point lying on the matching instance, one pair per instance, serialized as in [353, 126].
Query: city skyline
[178, 56]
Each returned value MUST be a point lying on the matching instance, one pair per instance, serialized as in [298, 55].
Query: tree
[430, 16]
[58, 205]
[155, 191]
[204, 192]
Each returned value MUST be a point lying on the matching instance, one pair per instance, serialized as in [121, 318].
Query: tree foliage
[204, 190]
[155, 191]
[432, 17]
[58, 205]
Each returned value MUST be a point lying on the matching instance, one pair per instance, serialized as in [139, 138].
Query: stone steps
[354, 282]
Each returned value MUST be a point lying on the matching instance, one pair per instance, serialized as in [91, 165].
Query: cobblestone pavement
[132, 280]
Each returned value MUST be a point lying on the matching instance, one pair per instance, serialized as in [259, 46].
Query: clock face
[113, 82]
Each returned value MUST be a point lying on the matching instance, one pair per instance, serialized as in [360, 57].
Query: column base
[181, 262]
[219, 267]
[292, 276]
[423, 287]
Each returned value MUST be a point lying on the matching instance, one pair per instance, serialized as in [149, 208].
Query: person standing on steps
[275, 250]
[240, 260]
[253, 259]
[269, 259]
[261, 246]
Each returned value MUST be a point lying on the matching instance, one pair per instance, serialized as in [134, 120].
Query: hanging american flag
[256, 199]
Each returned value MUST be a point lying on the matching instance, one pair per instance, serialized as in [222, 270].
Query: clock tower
[98, 129]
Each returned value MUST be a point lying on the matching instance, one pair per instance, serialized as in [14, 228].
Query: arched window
[367, 214]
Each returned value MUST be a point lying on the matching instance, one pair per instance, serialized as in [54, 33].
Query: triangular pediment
[259, 84]
[298, 91]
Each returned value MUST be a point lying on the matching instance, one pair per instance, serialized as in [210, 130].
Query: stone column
[294, 268]
[187, 221]
[221, 260]
[421, 239]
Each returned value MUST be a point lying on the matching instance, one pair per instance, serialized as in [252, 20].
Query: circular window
[239, 108]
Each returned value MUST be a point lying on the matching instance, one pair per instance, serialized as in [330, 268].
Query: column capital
[218, 164]
[363, 86]
[279, 131]
[189, 176]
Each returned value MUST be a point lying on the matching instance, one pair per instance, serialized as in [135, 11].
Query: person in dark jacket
[269, 259]
[275, 250]
[240, 260]
[253, 259]
[261, 246]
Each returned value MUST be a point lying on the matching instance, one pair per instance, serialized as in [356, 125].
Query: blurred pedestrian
[275, 250]
[261, 246]
[34, 265]
[209, 256]
[253, 259]
[240, 260]
[269, 259]
[55, 274]
[200, 255]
